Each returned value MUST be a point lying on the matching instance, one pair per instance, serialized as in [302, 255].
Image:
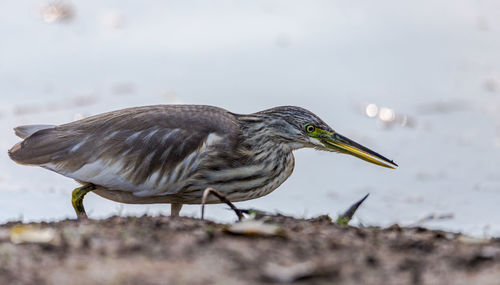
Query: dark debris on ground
[276, 249]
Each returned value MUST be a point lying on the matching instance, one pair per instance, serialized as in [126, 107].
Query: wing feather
[134, 149]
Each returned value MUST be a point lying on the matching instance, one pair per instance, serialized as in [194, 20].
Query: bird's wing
[134, 149]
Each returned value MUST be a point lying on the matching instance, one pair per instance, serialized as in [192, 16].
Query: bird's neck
[262, 141]
[261, 164]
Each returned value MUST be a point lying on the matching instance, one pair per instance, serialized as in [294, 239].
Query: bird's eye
[310, 128]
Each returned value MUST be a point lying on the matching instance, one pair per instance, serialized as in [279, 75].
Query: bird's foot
[222, 198]
[77, 199]
[175, 209]
[257, 213]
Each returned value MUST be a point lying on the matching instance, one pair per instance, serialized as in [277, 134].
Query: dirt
[278, 249]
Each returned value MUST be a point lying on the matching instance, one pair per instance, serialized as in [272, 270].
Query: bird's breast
[255, 180]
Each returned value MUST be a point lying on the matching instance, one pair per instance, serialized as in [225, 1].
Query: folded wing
[145, 150]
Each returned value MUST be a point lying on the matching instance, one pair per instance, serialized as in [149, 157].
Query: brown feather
[123, 134]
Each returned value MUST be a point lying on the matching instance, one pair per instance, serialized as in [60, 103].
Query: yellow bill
[345, 145]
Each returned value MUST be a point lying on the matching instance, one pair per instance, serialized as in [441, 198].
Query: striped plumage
[171, 153]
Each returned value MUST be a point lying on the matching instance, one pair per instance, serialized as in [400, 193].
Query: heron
[181, 154]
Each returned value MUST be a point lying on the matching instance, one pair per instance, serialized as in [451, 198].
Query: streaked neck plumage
[268, 156]
[267, 134]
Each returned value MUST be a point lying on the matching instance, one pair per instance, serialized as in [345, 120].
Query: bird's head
[301, 128]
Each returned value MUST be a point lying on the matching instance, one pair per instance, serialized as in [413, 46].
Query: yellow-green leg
[77, 199]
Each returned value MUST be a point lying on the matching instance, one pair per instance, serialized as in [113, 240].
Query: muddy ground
[164, 250]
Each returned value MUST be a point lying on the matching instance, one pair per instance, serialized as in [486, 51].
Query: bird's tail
[27, 130]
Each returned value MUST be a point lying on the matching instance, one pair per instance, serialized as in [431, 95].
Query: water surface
[434, 66]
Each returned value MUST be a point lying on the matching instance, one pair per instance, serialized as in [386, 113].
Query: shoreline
[273, 249]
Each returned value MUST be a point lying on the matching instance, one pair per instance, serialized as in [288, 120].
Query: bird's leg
[77, 199]
[222, 198]
[175, 208]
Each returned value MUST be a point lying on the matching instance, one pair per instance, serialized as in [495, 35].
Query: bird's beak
[344, 145]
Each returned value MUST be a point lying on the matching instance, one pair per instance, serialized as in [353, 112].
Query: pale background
[433, 65]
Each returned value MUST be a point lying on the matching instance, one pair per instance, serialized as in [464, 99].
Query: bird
[181, 154]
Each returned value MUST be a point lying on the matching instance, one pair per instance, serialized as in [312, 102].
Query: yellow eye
[310, 128]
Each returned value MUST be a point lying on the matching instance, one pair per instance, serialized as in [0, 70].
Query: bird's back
[135, 149]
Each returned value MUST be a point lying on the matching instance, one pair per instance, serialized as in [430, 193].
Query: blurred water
[434, 63]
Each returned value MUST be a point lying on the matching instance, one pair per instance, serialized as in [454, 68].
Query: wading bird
[180, 154]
